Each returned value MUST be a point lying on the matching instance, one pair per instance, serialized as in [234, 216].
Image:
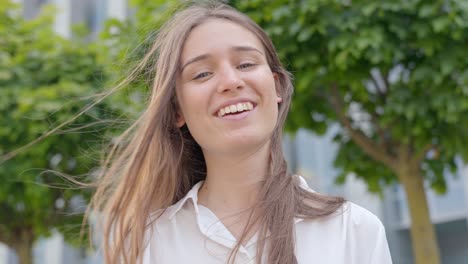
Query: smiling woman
[220, 75]
[203, 179]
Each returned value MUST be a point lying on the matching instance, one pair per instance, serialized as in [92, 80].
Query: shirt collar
[192, 195]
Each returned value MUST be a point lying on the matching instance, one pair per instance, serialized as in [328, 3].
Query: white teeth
[221, 112]
[239, 107]
[233, 108]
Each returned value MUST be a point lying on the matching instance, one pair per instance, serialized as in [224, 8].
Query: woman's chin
[240, 146]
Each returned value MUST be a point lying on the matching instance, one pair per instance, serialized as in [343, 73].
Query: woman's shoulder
[350, 217]
[362, 224]
[359, 216]
[350, 212]
[352, 233]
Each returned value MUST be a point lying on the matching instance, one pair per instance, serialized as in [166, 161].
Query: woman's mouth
[235, 109]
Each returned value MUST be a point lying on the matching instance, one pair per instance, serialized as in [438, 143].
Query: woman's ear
[277, 88]
[180, 120]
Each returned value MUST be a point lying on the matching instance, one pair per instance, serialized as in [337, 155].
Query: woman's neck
[232, 183]
[231, 189]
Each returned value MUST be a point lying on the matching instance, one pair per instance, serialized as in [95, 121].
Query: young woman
[201, 177]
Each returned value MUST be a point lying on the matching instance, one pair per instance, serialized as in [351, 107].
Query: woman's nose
[230, 79]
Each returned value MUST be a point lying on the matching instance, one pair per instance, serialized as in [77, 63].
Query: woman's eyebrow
[246, 48]
[206, 56]
[195, 59]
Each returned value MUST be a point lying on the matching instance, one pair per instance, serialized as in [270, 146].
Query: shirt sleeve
[381, 252]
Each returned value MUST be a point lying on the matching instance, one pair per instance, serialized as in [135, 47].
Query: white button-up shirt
[191, 233]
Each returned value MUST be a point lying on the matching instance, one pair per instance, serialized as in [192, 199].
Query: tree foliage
[128, 41]
[45, 80]
[392, 73]
[398, 66]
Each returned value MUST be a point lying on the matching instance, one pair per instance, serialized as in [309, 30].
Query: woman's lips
[238, 115]
[235, 108]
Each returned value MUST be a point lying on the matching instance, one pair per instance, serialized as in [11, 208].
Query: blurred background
[380, 108]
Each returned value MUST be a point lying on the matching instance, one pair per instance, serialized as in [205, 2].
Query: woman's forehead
[218, 35]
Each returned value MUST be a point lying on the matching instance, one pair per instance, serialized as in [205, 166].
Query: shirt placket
[216, 231]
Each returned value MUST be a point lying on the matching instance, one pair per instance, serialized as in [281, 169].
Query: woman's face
[226, 90]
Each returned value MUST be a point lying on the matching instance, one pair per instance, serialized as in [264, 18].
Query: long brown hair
[154, 164]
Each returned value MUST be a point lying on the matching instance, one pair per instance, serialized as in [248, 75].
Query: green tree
[394, 74]
[45, 80]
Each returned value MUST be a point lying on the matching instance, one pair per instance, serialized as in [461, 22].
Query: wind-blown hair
[154, 163]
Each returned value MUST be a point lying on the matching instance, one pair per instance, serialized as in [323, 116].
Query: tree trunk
[23, 246]
[423, 237]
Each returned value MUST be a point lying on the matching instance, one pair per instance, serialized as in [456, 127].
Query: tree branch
[421, 154]
[380, 131]
[367, 145]
[5, 239]
[382, 94]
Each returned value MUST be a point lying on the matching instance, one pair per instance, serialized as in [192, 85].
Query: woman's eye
[245, 65]
[201, 75]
